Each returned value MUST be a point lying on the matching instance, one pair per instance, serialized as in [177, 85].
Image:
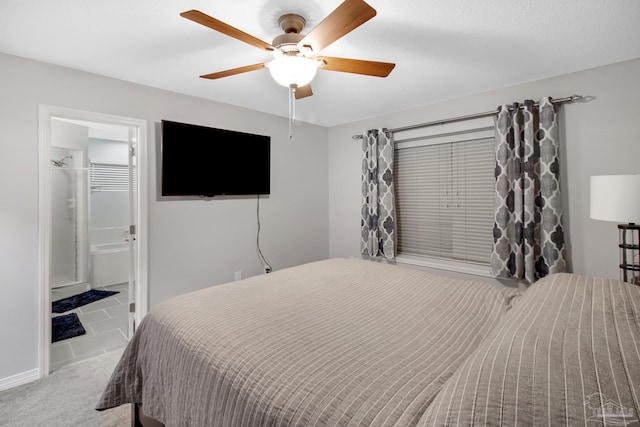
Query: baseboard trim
[19, 379]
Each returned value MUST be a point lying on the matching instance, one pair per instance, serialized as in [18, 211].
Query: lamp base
[629, 253]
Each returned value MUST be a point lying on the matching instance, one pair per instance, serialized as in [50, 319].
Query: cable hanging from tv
[265, 263]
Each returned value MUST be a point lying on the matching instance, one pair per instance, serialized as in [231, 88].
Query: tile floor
[106, 324]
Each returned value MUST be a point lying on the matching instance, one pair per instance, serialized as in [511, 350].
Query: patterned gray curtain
[527, 233]
[378, 201]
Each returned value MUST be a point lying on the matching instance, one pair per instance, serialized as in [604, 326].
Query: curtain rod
[565, 100]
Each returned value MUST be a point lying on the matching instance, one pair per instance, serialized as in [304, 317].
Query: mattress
[340, 342]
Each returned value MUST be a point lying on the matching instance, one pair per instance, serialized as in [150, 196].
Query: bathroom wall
[109, 210]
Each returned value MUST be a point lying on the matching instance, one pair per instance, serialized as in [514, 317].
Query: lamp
[293, 71]
[617, 198]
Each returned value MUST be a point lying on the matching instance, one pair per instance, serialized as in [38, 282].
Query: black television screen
[204, 161]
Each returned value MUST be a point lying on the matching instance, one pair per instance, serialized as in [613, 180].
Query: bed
[347, 342]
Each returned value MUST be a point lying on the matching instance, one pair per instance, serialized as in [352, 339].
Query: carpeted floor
[66, 398]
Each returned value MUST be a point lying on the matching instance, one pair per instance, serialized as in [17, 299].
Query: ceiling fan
[296, 57]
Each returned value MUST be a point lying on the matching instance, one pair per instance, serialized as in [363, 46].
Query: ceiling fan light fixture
[293, 71]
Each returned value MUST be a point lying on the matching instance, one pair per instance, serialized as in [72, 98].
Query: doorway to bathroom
[92, 233]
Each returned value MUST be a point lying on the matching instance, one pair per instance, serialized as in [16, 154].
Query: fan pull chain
[293, 103]
[290, 112]
[292, 109]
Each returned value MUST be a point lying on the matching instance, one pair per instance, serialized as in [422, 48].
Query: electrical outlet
[267, 269]
[238, 275]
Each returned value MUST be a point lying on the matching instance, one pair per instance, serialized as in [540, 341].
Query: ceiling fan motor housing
[287, 43]
[292, 25]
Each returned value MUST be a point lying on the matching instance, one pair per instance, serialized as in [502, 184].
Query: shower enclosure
[69, 204]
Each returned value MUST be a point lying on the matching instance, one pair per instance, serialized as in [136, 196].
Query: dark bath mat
[65, 327]
[79, 300]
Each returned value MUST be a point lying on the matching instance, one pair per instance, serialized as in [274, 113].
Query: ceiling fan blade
[356, 66]
[233, 71]
[214, 24]
[347, 17]
[303, 91]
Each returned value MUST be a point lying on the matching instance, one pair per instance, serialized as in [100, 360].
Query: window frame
[467, 130]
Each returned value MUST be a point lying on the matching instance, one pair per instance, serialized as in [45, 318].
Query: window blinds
[444, 199]
[110, 177]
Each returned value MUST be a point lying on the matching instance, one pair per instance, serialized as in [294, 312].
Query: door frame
[45, 114]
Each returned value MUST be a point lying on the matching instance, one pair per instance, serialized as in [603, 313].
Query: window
[110, 177]
[444, 186]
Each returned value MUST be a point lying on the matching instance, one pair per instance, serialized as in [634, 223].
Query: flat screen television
[206, 162]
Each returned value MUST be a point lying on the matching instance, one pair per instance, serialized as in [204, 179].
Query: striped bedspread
[568, 353]
[332, 343]
[355, 343]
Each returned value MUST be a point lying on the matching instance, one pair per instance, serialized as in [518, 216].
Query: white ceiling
[443, 49]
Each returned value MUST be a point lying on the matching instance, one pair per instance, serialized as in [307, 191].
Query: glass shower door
[69, 231]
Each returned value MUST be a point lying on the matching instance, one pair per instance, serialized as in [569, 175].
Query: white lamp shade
[293, 70]
[616, 198]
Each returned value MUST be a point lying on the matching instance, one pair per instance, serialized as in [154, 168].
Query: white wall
[192, 244]
[108, 151]
[598, 137]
